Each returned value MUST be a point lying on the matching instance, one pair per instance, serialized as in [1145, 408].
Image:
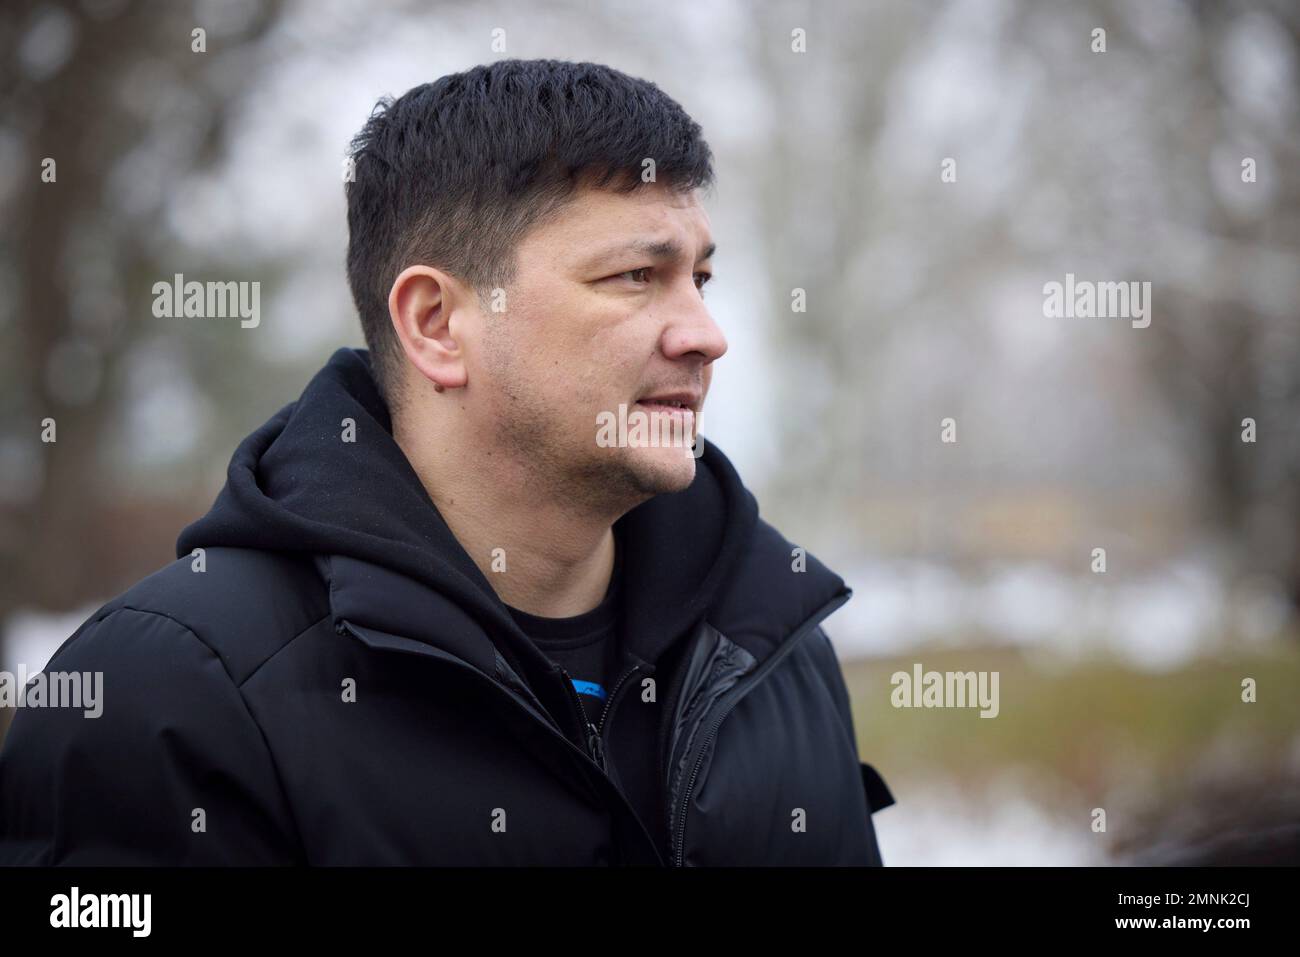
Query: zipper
[678, 849]
[613, 694]
[595, 739]
[596, 756]
[595, 750]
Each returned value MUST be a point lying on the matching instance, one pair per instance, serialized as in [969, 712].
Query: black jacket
[331, 680]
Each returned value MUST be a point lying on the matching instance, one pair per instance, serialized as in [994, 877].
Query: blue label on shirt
[588, 687]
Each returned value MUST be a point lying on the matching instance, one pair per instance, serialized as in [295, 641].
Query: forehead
[597, 218]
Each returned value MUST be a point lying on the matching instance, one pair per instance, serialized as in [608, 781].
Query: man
[433, 618]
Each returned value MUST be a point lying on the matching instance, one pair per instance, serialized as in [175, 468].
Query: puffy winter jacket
[323, 676]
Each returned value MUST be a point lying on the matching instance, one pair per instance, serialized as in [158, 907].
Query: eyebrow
[655, 248]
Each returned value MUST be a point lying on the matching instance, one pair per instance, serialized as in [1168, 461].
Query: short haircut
[454, 173]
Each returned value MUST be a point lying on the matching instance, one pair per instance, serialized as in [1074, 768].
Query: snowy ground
[1156, 622]
[938, 827]
[30, 638]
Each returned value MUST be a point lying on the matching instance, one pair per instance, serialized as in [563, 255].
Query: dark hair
[454, 173]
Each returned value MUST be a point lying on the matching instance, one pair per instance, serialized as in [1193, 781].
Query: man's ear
[422, 305]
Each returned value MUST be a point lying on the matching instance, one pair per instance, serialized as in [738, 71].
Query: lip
[667, 402]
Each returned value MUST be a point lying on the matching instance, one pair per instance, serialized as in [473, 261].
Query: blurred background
[1119, 690]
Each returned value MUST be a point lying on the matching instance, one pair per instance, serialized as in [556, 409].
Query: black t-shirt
[589, 648]
[586, 646]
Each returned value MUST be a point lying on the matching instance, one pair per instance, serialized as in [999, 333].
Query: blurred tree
[114, 93]
[1122, 165]
[1229, 346]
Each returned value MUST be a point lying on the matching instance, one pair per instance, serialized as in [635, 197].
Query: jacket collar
[768, 595]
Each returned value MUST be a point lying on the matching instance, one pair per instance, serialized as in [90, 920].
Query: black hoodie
[293, 485]
[314, 536]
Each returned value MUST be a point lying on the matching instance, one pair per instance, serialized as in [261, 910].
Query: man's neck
[540, 554]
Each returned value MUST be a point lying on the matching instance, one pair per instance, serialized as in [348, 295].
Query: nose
[691, 328]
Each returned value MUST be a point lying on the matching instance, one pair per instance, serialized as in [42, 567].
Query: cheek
[586, 352]
[607, 360]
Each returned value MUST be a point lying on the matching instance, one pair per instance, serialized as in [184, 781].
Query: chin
[663, 470]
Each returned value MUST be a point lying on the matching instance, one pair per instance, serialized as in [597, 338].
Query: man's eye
[636, 276]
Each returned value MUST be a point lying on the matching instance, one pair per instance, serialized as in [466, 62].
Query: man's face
[606, 310]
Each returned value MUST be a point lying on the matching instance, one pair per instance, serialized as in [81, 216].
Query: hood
[294, 486]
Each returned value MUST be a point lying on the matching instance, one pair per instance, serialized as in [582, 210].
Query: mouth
[680, 412]
[675, 403]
